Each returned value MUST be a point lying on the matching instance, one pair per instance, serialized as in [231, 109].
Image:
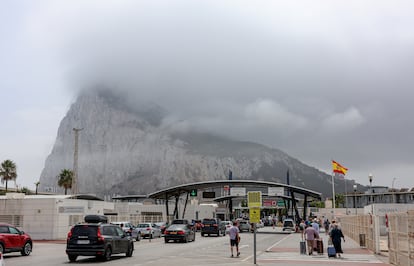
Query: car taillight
[99, 235]
[181, 232]
[70, 233]
[148, 228]
[215, 225]
[167, 232]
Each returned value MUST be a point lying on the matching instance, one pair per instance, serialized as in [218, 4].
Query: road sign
[193, 193]
[254, 215]
[254, 199]
[275, 191]
[226, 188]
[238, 191]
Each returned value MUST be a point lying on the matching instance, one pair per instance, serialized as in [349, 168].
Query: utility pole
[75, 162]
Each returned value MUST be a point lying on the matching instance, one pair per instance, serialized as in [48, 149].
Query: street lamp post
[370, 176]
[393, 192]
[355, 189]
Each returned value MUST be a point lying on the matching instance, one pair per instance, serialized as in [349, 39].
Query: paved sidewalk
[286, 252]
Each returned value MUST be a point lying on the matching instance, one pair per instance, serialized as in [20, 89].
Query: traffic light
[193, 193]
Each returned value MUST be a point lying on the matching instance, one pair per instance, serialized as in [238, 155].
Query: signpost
[254, 202]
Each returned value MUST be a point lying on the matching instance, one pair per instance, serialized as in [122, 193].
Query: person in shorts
[234, 238]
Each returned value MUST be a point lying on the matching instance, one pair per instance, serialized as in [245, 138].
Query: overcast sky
[319, 80]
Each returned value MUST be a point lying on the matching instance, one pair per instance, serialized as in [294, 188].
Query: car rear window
[288, 223]
[180, 222]
[85, 230]
[144, 225]
[209, 221]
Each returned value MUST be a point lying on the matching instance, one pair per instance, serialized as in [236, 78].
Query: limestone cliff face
[126, 150]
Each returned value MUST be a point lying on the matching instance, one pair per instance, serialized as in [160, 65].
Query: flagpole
[333, 195]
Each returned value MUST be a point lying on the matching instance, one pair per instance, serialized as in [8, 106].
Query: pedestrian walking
[336, 235]
[310, 236]
[234, 235]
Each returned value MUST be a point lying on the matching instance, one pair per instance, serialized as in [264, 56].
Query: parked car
[228, 225]
[130, 229]
[179, 232]
[97, 238]
[162, 226]
[288, 225]
[213, 226]
[14, 240]
[149, 230]
[244, 225]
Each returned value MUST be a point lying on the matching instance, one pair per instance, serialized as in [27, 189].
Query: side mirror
[21, 233]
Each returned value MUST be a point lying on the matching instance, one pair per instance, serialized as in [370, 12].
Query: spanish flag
[337, 168]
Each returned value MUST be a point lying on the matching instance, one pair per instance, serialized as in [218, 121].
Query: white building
[50, 217]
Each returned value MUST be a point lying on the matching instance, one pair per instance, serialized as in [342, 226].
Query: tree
[37, 185]
[339, 200]
[8, 171]
[65, 179]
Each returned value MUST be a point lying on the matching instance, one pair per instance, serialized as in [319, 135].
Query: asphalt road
[204, 251]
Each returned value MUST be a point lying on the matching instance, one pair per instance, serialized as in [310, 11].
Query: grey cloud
[297, 76]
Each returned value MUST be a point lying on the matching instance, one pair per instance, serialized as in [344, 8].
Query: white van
[289, 225]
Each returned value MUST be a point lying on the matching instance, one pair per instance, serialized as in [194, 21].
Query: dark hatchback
[179, 232]
[213, 226]
[98, 239]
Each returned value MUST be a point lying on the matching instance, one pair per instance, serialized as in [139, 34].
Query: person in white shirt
[234, 238]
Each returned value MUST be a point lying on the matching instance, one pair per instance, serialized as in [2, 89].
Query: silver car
[129, 229]
[244, 226]
[149, 230]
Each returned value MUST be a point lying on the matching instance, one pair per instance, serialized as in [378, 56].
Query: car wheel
[186, 239]
[107, 255]
[72, 258]
[130, 250]
[202, 234]
[27, 249]
[165, 240]
[1, 248]
[150, 236]
[138, 237]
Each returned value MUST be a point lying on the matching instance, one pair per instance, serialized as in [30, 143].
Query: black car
[179, 232]
[213, 226]
[97, 238]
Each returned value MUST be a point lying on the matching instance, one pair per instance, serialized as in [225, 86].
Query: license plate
[206, 225]
[83, 241]
[173, 233]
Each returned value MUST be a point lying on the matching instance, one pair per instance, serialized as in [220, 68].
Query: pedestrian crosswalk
[294, 256]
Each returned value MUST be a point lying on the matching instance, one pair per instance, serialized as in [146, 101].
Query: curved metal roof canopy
[186, 188]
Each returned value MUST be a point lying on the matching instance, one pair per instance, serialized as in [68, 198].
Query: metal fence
[365, 229]
[401, 238]
[362, 229]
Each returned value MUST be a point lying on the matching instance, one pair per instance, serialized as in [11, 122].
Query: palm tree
[8, 171]
[65, 179]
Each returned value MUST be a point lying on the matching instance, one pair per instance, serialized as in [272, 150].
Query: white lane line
[277, 243]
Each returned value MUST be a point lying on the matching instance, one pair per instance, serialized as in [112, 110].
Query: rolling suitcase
[319, 246]
[302, 247]
[331, 252]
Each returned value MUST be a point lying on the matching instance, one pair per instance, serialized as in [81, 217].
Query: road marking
[277, 243]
